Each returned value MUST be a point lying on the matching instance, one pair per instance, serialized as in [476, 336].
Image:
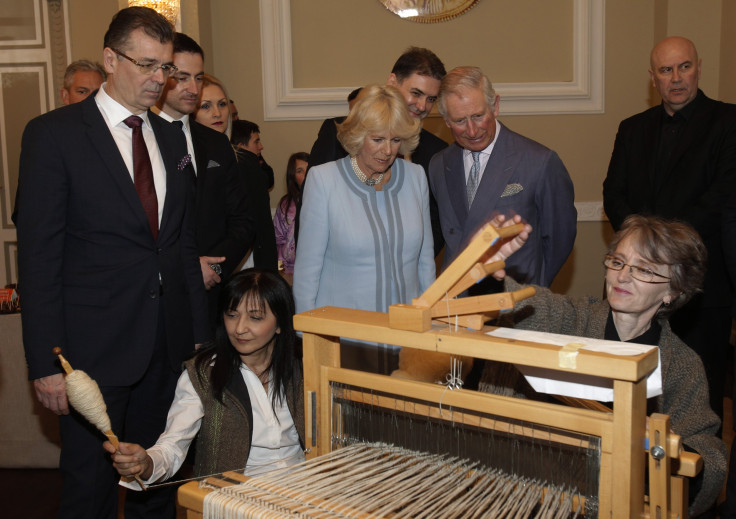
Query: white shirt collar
[488, 149]
[184, 118]
[114, 112]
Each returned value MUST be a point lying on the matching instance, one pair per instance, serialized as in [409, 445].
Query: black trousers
[138, 415]
[707, 331]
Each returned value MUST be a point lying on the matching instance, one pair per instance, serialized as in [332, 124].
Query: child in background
[283, 220]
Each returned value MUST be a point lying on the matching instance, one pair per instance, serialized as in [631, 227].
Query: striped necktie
[472, 185]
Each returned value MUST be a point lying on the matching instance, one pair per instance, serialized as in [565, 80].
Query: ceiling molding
[584, 94]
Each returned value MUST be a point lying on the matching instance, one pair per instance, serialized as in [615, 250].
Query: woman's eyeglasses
[641, 273]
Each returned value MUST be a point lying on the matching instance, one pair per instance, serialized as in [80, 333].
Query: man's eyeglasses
[148, 69]
[640, 273]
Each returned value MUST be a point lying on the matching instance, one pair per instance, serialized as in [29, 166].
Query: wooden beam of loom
[621, 431]
[467, 269]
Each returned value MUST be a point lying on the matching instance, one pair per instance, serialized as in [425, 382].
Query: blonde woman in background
[213, 108]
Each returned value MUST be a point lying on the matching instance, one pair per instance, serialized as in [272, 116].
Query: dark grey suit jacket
[521, 177]
[90, 271]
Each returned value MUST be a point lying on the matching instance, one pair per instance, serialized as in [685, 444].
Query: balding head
[675, 72]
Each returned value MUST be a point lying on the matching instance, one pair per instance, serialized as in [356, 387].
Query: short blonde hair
[377, 109]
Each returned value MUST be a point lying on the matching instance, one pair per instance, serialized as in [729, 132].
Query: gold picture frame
[428, 11]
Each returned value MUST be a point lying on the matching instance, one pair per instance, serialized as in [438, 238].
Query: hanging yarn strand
[84, 395]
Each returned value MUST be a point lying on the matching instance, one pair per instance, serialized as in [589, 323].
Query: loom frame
[622, 431]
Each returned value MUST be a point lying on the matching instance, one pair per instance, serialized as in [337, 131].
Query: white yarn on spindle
[84, 395]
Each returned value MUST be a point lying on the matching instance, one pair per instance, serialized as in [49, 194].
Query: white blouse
[275, 442]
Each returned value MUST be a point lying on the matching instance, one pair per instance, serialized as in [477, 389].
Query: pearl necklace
[362, 176]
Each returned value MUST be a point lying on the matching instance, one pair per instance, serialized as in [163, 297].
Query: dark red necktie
[143, 173]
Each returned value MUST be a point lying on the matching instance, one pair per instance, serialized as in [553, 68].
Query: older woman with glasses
[653, 267]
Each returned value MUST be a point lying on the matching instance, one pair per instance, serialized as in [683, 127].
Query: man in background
[246, 139]
[224, 229]
[82, 77]
[108, 262]
[491, 170]
[677, 160]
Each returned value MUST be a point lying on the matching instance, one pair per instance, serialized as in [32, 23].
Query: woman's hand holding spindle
[130, 459]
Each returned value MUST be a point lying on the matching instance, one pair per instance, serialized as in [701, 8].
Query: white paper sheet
[573, 384]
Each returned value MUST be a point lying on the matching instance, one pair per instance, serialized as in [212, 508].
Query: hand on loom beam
[510, 245]
[130, 459]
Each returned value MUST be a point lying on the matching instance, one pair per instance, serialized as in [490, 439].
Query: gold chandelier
[168, 8]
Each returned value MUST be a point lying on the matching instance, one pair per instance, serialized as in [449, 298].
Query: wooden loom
[622, 432]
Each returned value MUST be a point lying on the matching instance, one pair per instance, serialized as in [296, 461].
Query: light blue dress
[361, 248]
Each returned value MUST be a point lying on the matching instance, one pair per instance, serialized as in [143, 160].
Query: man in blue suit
[491, 170]
[108, 261]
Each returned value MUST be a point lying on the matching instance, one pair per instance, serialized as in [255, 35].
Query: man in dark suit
[246, 140]
[224, 229]
[490, 170]
[417, 74]
[108, 261]
[678, 160]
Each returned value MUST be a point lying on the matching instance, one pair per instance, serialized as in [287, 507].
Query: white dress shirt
[114, 114]
[275, 442]
[482, 158]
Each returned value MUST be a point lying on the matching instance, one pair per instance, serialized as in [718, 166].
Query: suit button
[159, 251]
[152, 294]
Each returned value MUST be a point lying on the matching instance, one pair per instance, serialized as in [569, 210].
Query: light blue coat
[356, 252]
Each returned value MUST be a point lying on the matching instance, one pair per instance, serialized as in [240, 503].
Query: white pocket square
[512, 189]
[212, 164]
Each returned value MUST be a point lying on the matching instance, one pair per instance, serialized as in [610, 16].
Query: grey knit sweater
[685, 397]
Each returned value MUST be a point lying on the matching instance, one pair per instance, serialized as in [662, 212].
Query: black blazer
[698, 179]
[90, 270]
[327, 149]
[254, 180]
[224, 226]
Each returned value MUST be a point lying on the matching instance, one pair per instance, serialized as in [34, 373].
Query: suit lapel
[455, 182]
[496, 176]
[170, 141]
[200, 156]
[99, 135]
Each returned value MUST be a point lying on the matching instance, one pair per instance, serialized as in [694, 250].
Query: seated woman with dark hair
[244, 394]
[653, 267]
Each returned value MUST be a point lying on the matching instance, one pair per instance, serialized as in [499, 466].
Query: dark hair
[129, 19]
[672, 243]
[293, 192]
[354, 93]
[417, 60]
[82, 65]
[257, 287]
[184, 43]
[242, 130]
